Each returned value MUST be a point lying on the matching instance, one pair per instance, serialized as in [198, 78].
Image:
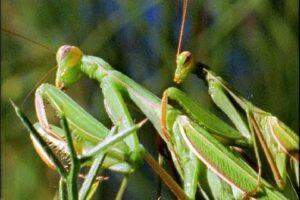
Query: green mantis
[184, 132]
[277, 140]
[187, 142]
[45, 143]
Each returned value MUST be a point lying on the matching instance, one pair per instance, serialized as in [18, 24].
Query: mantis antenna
[40, 45]
[38, 83]
[184, 8]
[27, 39]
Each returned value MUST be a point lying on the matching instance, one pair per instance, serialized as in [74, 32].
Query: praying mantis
[188, 138]
[277, 139]
[183, 123]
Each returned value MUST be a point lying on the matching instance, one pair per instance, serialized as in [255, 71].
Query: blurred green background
[251, 44]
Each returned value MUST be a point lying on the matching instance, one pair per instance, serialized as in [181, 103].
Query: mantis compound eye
[188, 58]
[68, 60]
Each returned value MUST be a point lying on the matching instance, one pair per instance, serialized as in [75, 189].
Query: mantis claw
[252, 192]
[163, 117]
[42, 117]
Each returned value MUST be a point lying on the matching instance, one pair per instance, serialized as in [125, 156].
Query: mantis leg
[276, 139]
[89, 131]
[119, 114]
[218, 95]
[71, 174]
[90, 181]
[196, 112]
[86, 130]
[206, 119]
[163, 118]
[149, 104]
[114, 103]
[280, 156]
[191, 108]
[223, 102]
[217, 157]
[190, 165]
[92, 129]
[286, 139]
[42, 117]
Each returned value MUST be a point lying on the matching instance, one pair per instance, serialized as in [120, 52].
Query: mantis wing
[222, 161]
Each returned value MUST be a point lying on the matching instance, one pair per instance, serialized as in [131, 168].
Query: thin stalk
[109, 141]
[160, 162]
[122, 188]
[28, 125]
[168, 180]
[90, 178]
[268, 154]
[75, 163]
[61, 189]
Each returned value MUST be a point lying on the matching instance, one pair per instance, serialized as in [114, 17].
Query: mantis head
[68, 60]
[185, 65]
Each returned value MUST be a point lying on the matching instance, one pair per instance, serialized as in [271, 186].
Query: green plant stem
[168, 180]
[90, 178]
[122, 188]
[28, 125]
[61, 189]
[75, 163]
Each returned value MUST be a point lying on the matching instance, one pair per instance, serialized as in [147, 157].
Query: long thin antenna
[38, 83]
[184, 8]
[40, 45]
[26, 38]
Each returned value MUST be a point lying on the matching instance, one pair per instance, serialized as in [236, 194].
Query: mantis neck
[94, 67]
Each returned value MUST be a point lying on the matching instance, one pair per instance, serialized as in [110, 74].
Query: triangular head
[185, 64]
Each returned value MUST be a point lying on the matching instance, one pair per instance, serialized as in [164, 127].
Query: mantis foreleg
[201, 145]
[149, 104]
[274, 136]
[259, 123]
[70, 175]
[119, 114]
[89, 130]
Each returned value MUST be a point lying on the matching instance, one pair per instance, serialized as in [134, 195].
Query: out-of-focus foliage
[251, 44]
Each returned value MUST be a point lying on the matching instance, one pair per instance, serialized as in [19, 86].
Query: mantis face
[185, 65]
[68, 61]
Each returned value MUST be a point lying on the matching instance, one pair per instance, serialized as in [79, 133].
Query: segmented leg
[163, 118]
[42, 117]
